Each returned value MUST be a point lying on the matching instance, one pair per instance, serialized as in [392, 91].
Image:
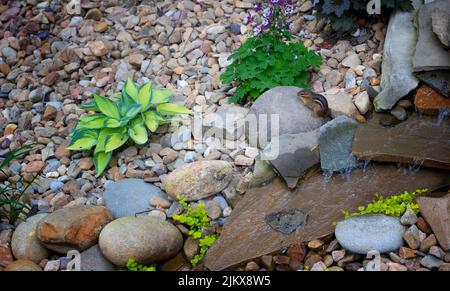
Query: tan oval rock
[146, 239]
[74, 228]
[25, 245]
[23, 265]
[198, 180]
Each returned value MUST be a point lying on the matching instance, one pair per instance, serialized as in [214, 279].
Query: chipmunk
[316, 102]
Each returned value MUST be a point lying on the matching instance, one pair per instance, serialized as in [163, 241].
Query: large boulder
[292, 154]
[440, 20]
[279, 105]
[397, 79]
[25, 245]
[146, 239]
[227, 123]
[437, 213]
[198, 180]
[128, 197]
[74, 228]
[335, 144]
[430, 54]
[361, 234]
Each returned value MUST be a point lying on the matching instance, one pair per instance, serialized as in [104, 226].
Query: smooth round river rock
[198, 180]
[74, 228]
[25, 245]
[144, 238]
[128, 197]
[360, 234]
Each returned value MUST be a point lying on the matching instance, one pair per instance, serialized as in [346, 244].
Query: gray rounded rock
[146, 239]
[360, 234]
[92, 259]
[294, 116]
[25, 245]
[128, 197]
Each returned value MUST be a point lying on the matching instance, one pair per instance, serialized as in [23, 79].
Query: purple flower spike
[267, 12]
[248, 19]
[258, 6]
[288, 9]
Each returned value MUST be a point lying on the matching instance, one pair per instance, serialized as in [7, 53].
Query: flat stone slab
[295, 153]
[246, 235]
[430, 53]
[397, 79]
[418, 141]
[440, 20]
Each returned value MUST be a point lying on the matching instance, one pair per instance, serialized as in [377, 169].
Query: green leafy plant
[132, 265]
[268, 59]
[395, 205]
[13, 204]
[135, 111]
[343, 14]
[197, 221]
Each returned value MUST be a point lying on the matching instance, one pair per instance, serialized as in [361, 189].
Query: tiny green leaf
[101, 161]
[131, 90]
[107, 107]
[172, 109]
[83, 140]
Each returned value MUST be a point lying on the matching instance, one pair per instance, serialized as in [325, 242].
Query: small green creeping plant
[116, 122]
[197, 221]
[395, 205]
[132, 265]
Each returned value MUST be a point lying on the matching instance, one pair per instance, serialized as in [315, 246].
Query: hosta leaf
[112, 123]
[137, 131]
[110, 139]
[172, 109]
[91, 105]
[131, 90]
[101, 161]
[126, 99]
[144, 96]
[83, 140]
[107, 107]
[115, 141]
[160, 95]
[92, 121]
[132, 110]
[152, 120]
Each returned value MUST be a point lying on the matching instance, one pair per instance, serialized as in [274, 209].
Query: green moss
[394, 205]
[197, 221]
[132, 265]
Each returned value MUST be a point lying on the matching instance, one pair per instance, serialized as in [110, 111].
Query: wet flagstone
[421, 140]
[246, 235]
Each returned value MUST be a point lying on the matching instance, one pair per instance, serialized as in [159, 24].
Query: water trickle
[443, 113]
[415, 165]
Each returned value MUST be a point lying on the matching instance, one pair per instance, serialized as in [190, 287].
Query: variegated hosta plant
[136, 110]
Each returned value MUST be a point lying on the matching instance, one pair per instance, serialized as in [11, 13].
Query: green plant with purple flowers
[269, 58]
